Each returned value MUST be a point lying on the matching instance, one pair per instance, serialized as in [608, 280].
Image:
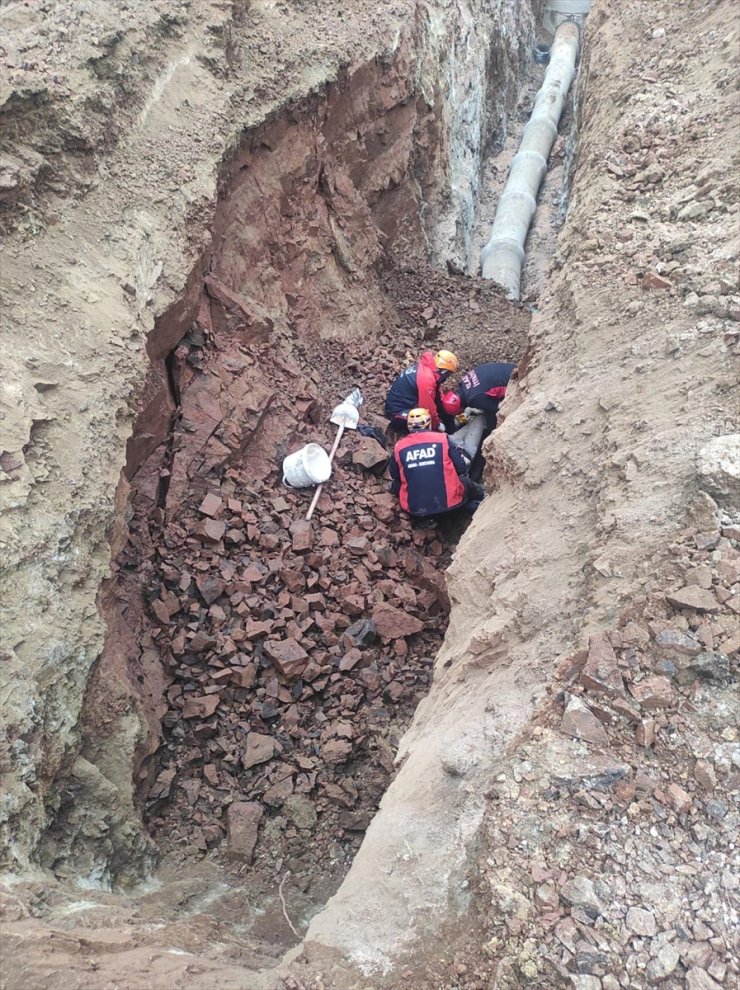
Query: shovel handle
[332, 452]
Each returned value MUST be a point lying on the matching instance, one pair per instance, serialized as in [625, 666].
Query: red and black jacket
[426, 470]
[484, 386]
[416, 388]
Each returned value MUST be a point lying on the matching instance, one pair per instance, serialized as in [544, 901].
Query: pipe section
[503, 255]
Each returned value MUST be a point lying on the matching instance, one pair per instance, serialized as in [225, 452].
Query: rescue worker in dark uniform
[429, 473]
[418, 387]
[483, 387]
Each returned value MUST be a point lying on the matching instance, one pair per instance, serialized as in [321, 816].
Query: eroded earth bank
[229, 734]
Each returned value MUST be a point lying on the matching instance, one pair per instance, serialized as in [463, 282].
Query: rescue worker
[483, 387]
[418, 387]
[429, 473]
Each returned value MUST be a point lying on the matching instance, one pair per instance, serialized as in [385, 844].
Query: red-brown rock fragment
[201, 707]
[392, 623]
[601, 673]
[288, 656]
[335, 751]
[260, 748]
[242, 828]
[210, 505]
[579, 722]
[654, 692]
[212, 530]
[210, 588]
[302, 536]
[695, 598]
[369, 453]
[275, 795]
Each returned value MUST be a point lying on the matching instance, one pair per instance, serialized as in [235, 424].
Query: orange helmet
[419, 419]
[445, 361]
[451, 403]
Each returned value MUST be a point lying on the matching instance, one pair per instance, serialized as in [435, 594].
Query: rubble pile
[293, 648]
[293, 653]
[470, 316]
[610, 859]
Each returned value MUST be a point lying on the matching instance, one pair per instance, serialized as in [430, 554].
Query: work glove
[442, 428]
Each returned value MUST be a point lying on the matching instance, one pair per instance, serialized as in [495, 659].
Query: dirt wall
[115, 247]
[629, 375]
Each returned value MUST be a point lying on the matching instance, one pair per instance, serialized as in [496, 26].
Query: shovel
[345, 416]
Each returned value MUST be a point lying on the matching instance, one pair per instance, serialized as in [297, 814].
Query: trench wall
[593, 471]
[109, 281]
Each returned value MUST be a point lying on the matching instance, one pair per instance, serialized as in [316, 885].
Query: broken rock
[210, 505]
[392, 623]
[579, 722]
[678, 642]
[664, 963]
[302, 535]
[654, 692]
[242, 827]
[695, 598]
[275, 795]
[641, 922]
[678, 799]
[210, 588]
[579, 893]
[288, 656]
[719, 468]
[369, 454]
[260, 748]
[201, 707]
[361, 633]
[698, 979]
[212, 530]
[601, 673]
[336, 751]
[300, 810]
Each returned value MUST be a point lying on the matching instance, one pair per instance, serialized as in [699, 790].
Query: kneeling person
[429, 473]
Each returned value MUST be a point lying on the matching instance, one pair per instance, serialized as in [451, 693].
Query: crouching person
[429, 473]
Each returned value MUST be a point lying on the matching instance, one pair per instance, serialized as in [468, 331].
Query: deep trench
[317, 281]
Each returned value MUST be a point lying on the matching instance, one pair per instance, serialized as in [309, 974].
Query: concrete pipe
[503, 255]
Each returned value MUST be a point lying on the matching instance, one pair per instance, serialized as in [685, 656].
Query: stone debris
[580, 722]
[692, 597]
[580, 896]
[601, 673]
[393, 623]
[641, 922]
[369, 454]
[613, 822]
[719, 469]
[242, 827]
[288, 644]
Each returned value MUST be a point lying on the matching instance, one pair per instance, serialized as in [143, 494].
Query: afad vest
[429, 481]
